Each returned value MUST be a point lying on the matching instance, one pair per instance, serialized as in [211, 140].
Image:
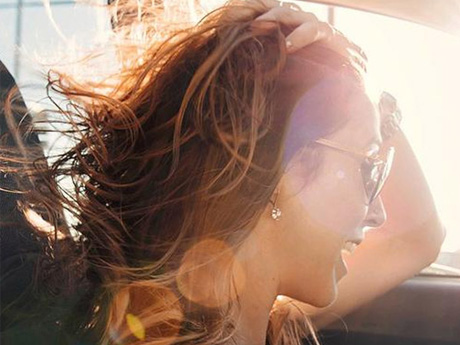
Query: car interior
[425, 309]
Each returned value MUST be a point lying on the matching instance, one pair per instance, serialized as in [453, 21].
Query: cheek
[313, 266]
[317, 218]
[311, 253]
[335, 201]
[348, 202]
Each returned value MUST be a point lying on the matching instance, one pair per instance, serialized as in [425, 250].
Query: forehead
[336, 108]
[363, 125]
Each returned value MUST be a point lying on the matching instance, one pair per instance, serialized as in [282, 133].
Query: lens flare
[135, 326]
[148, 311]
[210, 274]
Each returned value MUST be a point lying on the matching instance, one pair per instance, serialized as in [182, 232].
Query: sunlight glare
[420, 66]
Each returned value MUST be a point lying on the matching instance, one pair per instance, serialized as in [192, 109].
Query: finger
[326, 35]
[309, 30]
[288, 16]
[270, 3]
[307, 33]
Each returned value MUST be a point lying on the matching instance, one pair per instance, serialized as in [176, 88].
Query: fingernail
[289, 45]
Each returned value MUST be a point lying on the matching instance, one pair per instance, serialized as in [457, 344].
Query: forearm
[378, 265]
[407, 197]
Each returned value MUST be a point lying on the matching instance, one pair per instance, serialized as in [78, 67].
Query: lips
[341, 268]
[349, 247]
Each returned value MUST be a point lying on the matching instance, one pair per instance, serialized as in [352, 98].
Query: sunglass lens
[384, 169]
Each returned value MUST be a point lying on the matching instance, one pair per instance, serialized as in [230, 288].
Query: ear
[275, 212]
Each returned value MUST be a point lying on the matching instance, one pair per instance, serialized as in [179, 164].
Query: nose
[376, 215]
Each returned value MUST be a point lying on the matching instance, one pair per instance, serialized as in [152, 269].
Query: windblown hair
[186, 149]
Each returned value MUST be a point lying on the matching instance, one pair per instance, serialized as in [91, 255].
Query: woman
[231, 166]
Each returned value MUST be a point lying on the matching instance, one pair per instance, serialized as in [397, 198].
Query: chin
[329, 292]
[321, 297]
[326, 300]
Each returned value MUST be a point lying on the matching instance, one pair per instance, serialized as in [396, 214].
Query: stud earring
[276, 212]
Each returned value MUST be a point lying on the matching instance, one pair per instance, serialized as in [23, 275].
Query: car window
[418, 65]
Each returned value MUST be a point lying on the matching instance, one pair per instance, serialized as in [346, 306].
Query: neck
[257, 297]
[252, 321]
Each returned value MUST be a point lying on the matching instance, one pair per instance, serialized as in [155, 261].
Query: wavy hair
[176, 160]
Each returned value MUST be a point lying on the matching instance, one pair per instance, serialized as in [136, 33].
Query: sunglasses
[374, 168]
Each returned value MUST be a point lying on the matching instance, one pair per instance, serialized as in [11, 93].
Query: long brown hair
[184, 152]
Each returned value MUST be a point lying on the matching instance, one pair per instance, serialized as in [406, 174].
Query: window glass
[420, 67]
[68, 31]
[8, 4]
[40, 2]
[8, 37]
